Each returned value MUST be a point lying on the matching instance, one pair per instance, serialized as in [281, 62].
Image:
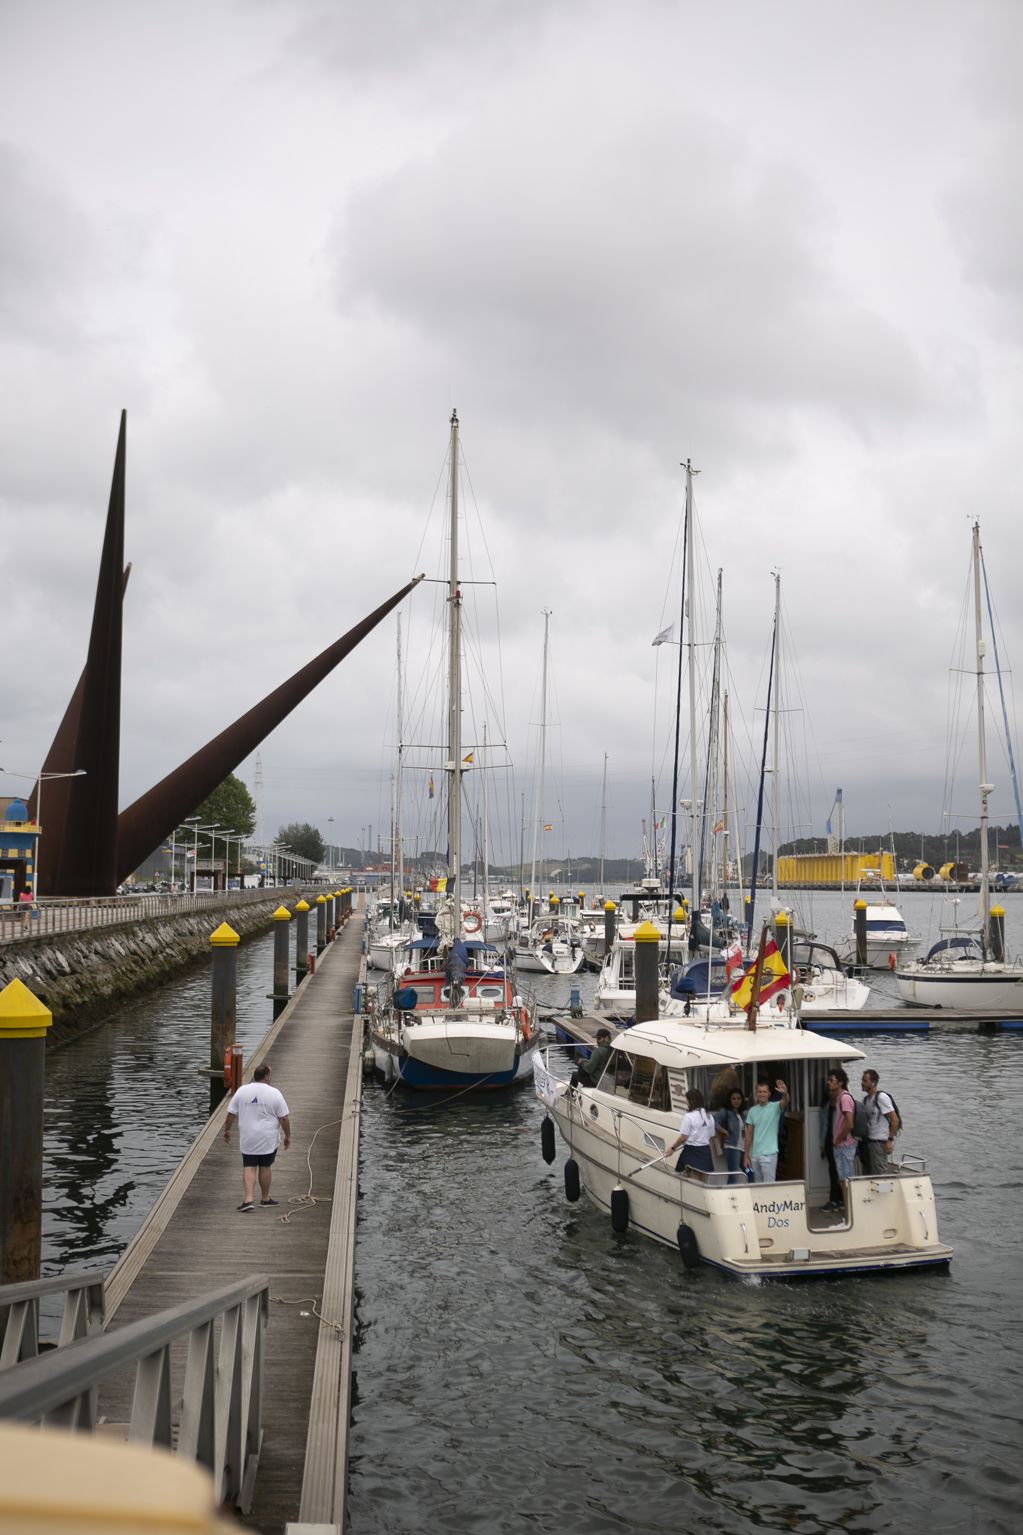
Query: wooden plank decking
[194, 1239]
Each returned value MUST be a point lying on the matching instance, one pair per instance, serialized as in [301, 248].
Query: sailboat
[970, 970]
[548, 944]
[451, 1019]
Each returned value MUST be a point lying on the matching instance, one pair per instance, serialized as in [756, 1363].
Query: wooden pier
[194, 1238]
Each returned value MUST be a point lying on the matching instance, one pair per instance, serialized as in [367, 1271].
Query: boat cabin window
[660, 1092]
[643, 1069]
[623, 1073]
[496, 992]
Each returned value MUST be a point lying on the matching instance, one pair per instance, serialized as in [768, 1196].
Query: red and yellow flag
[774, 978]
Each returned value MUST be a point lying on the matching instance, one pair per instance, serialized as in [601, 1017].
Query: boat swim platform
[582, 1029]
[194, 1238]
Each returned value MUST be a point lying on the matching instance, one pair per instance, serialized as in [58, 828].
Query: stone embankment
[81, 976]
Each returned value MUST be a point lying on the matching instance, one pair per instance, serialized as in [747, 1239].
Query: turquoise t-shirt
[765, 1119]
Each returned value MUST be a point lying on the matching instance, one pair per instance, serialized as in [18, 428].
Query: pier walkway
[194, 1239]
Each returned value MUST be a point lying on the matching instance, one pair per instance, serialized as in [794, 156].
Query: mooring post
[321, 923]
[301, 941]
[610, 912]
[648, 944]
[24, 1021]
[860, 925]
[282, 916]
[331, 915]
[996, 933]
[783, 937]
[223, 1006]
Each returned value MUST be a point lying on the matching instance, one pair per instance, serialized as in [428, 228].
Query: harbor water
[520, 1367]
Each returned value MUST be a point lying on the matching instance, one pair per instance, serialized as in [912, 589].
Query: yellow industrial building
[809, 869]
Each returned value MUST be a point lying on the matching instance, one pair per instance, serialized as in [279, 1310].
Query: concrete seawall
[80, 976]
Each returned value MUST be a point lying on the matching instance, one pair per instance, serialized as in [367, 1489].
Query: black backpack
[860, 1120]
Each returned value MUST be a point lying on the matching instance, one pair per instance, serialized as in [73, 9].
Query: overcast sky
[780, 239]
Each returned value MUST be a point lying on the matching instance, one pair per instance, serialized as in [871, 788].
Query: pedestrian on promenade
[262, 1116]
[27, 905]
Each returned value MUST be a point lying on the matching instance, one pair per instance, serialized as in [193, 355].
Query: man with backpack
[883, 1123]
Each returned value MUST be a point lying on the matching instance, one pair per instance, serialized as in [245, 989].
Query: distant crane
[836, 839]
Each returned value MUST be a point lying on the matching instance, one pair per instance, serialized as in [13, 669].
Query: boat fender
[571, 1180]
[688, 1246]
[547, 1139]
[892, 962]
[619, 1210]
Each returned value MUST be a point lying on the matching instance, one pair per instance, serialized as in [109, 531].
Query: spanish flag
[774, 978]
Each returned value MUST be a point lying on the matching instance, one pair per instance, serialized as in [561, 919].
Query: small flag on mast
[664, 638]
[468, 758]
[430, 789]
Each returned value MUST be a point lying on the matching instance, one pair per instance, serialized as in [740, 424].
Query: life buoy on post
[472, 922]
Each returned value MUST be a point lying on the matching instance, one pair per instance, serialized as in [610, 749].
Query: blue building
[18, 838]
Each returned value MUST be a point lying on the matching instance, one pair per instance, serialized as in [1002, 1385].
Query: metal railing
[221, 1401]
[58, 914]
[84, 1312]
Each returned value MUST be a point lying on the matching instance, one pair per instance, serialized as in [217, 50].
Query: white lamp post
[213, 844]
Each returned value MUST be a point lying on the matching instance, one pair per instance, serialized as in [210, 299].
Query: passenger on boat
[883, 1125]
[842, 1139]
[762, 1124]
[589, 1073]
[731, 1122]
[696, 1132]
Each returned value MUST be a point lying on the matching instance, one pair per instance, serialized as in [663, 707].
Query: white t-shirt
[698, 1127]
[259, 1108]
[878, 1108]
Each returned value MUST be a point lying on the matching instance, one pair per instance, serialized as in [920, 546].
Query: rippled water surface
[519, 1367]
[125, 1101]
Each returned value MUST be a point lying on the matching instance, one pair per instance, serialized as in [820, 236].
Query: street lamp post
[213, 843]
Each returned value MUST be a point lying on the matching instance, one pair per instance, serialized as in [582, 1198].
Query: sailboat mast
[454, 697]
[486, 829]
[691, 646]
[603, 824]
[775, 744]
[400, 859]
[985, 787]
[538, 808]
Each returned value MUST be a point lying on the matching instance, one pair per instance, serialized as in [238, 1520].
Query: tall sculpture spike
[144, 825]
[77, 849]
[61, 753]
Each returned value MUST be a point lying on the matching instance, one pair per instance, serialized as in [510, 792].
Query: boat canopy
[700, 978]
[684, 1044]
[968, 947]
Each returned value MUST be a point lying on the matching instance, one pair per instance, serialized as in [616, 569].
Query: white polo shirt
[259, 1108]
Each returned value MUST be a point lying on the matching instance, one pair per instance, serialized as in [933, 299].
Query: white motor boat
[617, 1134]
[552, 948]
[889, 941]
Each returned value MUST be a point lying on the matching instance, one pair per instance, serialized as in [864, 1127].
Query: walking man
[262, 1116]
[882, 1125]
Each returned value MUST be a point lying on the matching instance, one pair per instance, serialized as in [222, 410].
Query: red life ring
[472, 922]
